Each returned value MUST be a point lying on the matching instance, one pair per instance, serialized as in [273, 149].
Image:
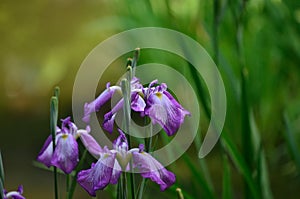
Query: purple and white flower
[163, 109]
[111, 163]
[65, 155]
[14, 194]
[153, 101]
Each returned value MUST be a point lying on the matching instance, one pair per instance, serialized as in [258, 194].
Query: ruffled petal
[165, 110]
[65, 155]
[99, 175]
[95, 105]
[149, 167]
[45, 155]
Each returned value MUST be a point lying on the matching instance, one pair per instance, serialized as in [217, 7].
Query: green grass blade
[1, 169]
[240, 164]
[207, 192]
[1, 190]
[264, 177]
[259, 156]
[291, 141]
[227, 189]
[53, 124]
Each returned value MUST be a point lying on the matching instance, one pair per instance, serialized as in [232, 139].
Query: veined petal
[165, 110]
[95, 105]
[99, 175]
[46, 152]
[149, 167]
[65, 155]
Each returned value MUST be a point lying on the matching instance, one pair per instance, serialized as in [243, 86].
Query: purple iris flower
[111, 163]
[153, 101]
[14, 194]
[65, 155]
[163, 108]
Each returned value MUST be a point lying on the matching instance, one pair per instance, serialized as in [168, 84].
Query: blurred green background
[255, 43]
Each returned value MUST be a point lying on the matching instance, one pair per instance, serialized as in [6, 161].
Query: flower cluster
[110, 164]
[65, 155]
[153, 101]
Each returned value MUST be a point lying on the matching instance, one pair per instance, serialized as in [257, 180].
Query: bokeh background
[255, 43]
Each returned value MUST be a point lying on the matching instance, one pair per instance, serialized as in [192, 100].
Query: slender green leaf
[291, 141]
[263, 176]
[262, 170]
[42, 166]
[240, 164]
[207, 192]
[53, 124]
[1, 169]
[1, 190]
[227, 189]
[74, 174]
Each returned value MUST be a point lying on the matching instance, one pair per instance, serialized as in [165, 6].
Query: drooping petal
[109, 118]
[149, 167]
[65, 155]
[90, 143]
[95, 105]
[99, 175]
[163, 109]
[45, 155]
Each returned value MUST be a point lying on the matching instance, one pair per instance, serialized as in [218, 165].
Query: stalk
[53, 124]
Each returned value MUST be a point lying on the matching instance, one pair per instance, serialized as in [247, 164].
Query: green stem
[125, 84]
[67, 185]
[53, 123]
[79, 167]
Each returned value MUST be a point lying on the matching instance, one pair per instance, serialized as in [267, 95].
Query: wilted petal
[149, 167]
[95, 105]
[165, 110]
[46, 152]
[65, 155]
[99, 175]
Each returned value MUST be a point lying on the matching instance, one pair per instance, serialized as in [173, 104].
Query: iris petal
[90, 144]
[65, 155]
[165, 110]
[95, 105]
[99, 175]
[149, 167]
[46, 152]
